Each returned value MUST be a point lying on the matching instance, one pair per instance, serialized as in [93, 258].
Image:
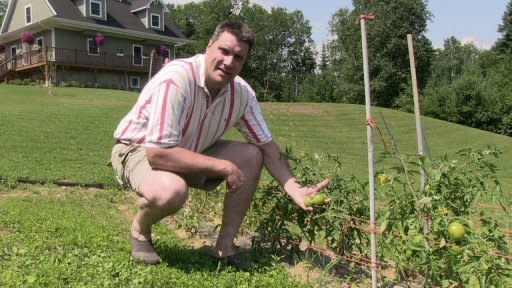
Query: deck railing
[80, 58]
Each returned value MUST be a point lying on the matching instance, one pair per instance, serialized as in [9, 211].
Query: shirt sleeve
[252, 125]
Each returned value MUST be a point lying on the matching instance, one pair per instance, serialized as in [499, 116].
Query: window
[28, 14]
[92, 48]
[155, 20]
[95, 8]
[39, 42]
[14, 50]
[137, 55]
[134, 82]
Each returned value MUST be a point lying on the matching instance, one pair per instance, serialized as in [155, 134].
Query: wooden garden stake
[419, 131]
[369, 125]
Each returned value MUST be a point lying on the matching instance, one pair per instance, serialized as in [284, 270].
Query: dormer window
[155, 21]
[28, 14]
[95, 8]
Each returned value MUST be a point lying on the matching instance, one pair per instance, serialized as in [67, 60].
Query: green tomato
[456, 231]
[319, 199]
[308, 201]
[316, 200]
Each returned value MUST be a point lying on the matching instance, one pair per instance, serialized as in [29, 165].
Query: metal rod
[371, 177]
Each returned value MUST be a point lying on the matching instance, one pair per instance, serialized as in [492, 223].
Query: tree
[452, 61]
[470, 87]
[387, 48]
[283, 55]
[198, 21]
[504, 44]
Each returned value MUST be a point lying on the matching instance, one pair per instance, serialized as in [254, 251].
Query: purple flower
[161, 50]
[26, 37]
[99, 39]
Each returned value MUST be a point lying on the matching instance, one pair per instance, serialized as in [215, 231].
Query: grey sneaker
[143, 251]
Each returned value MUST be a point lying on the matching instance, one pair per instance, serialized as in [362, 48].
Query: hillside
[74, 127]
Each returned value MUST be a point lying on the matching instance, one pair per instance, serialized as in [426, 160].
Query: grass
[76, 239]
[79, 234]
[69, 135]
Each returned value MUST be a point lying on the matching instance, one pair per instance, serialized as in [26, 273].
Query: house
[97, 43]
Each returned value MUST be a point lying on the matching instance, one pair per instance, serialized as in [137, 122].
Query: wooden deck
[80, 59]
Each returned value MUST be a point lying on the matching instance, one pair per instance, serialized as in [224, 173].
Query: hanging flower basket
[161, 50]
[2, 48]
[99, 39]
[27, 37]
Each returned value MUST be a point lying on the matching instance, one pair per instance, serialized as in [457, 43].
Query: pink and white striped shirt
[175, 109]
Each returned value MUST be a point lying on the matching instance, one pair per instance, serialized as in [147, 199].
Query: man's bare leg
[162, 194]
[249, 159]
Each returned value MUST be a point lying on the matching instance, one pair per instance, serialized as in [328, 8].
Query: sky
[467, 20]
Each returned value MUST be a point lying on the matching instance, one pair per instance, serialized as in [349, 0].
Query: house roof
[119, 15]
[137, 5]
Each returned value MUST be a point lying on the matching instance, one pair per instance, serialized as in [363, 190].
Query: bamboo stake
[419, 131]
[369, 124]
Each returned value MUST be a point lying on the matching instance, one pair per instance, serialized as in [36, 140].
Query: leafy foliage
[283, 55]
[387, 47]
[415, 228]
[467, 87]
[338, 225]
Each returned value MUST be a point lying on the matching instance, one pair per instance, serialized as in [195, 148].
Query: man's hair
[239, 29]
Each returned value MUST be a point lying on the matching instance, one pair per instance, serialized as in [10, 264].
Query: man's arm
[278, 167]
[182, 161]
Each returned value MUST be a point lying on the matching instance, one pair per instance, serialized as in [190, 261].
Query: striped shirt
[175, 109]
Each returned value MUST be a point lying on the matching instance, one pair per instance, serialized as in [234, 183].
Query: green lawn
[55, 237]
[69, 135]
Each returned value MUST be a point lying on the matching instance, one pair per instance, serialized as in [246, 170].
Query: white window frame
[101, 8]
[14, 49]
[136, 78]
[159, 21]
[141, 55]
[88, 43]
[39, 42]
[29, 14]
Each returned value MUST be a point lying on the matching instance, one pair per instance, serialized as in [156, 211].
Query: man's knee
[164, 190]
[251, 155]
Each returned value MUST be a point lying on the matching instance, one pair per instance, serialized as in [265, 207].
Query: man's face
[224, 59]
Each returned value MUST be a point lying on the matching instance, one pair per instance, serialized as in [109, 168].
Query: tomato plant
[285, 225]
[437, 232]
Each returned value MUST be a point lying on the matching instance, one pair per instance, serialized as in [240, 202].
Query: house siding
[68, 58]
[72, 40]
[100, 79]
[40, 11]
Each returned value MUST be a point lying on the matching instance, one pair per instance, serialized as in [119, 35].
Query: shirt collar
[201, 73]
[201, 66]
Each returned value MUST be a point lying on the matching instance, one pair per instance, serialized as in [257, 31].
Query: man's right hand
[234, 177]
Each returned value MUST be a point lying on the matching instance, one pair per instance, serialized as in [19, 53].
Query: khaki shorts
[131, 165]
